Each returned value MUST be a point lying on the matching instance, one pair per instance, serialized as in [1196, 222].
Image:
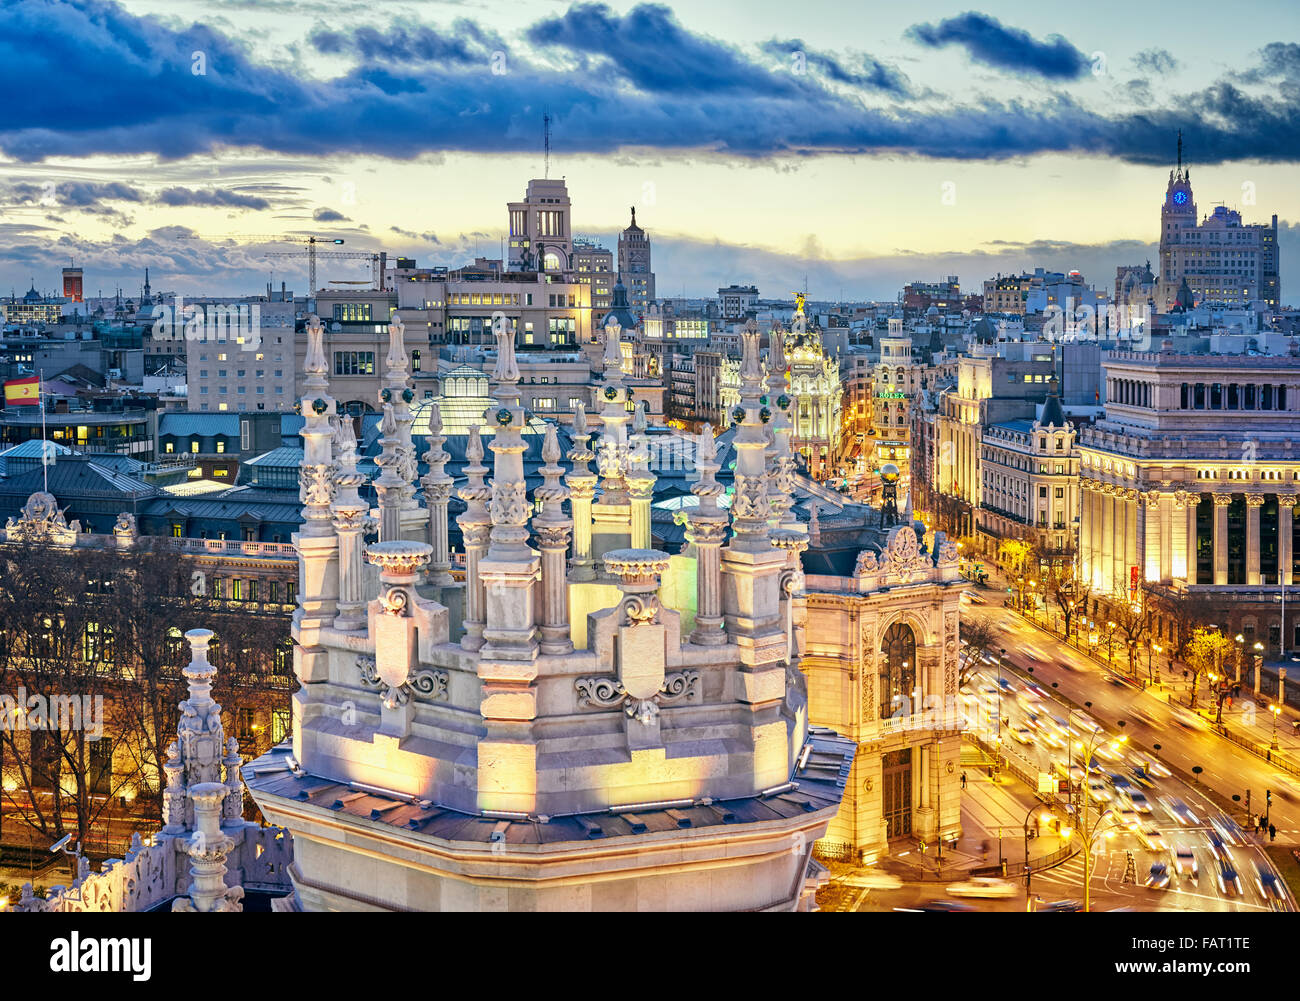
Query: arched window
[898, 671]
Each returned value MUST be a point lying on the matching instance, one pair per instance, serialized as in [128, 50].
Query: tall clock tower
[1178, 213]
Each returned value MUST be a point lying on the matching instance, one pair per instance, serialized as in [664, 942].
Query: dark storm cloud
[215, 197]
[465, 44]
[869, 73]
[118, 83]
[329, 215]
[988, 41]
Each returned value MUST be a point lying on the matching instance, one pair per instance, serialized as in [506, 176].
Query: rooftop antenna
[1180, 151]
[546, 144]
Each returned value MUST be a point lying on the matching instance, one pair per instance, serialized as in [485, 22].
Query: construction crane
[377, 260]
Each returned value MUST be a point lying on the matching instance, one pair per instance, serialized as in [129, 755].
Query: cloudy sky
[860, 145]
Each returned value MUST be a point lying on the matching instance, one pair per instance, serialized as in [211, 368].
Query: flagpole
[45, 445]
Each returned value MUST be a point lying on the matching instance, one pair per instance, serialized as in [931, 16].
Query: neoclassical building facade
[1191, 481]
[881, 657]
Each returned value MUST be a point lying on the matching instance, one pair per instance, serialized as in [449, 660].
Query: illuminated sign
[890, 396]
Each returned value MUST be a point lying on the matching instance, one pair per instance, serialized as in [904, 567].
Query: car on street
[1138, 800]
[1217, 848]
[1158, 877]
[1179, 810]
[1051, 738]
[1151, 839]
[1228, 830]
[1111, 751]
[1151, 766]
[1127, 818]
[1007, 687]
[1270, 887]
[944, 906]
[1229, 881]
[1141, 777]
[1099, 791]
[1022, 734]
[984, 886]
[1059, 907]
[1185, 863]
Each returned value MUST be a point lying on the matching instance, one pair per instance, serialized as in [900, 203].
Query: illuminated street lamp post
[1110, 644]
[1102, 827]
[1046, 818]
[1241, 641]
[1259, 663]
[1273, 708]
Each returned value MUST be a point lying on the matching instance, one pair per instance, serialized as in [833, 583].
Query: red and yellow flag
[23, 392]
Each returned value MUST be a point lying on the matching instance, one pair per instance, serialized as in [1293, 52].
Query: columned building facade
[1191, 481]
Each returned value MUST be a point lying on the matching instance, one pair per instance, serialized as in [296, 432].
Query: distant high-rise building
[72, 284]
[1221, 260]
[634, 266]
[541, 231]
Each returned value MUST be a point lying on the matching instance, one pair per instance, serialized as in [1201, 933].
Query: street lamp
[1110, 644]
[1046, 818]
[1259, 663]
[1272, 707]
[1088, 835]
[1241, 643]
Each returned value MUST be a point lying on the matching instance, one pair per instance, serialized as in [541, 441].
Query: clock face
[1180, 197]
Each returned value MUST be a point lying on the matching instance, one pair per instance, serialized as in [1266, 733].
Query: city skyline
[946, 142]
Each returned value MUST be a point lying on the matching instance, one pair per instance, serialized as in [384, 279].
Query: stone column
[1108, 540]
[1165, 539]
[475, 524]
[1086, 528]
[437, 494]
[1193, 503]
[707, 528]
[1221, 502]
[640, 482]
[1253, 503]
[582, 487]
[1281, 686]
[1285, 515]
[350, 513]
[552, 530]
[389, 485]
[207, 850]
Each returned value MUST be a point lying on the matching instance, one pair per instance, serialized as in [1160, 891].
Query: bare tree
[980, 638]
[1132, 615]
[1061, 573]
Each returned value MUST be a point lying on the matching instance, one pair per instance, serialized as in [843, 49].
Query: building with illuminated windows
[1189, 483]
[1221, 259]
[634, 267]
[817, 401]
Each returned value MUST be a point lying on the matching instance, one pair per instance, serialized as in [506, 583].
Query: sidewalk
[989, 808]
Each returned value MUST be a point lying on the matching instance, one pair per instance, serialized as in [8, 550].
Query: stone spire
[315, 488]
[707, 528]
[474, 522]
[389, 484]
[612, 514]
[350, 515]
[397, 391]
[552, 529]
[316, 542]
[750, 507]
[509, 505]
[198, 797]
[582, 487]
[780, 460]
[437, 494]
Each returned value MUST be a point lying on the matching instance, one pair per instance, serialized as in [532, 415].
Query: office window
[194, 447]
[354, 363]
